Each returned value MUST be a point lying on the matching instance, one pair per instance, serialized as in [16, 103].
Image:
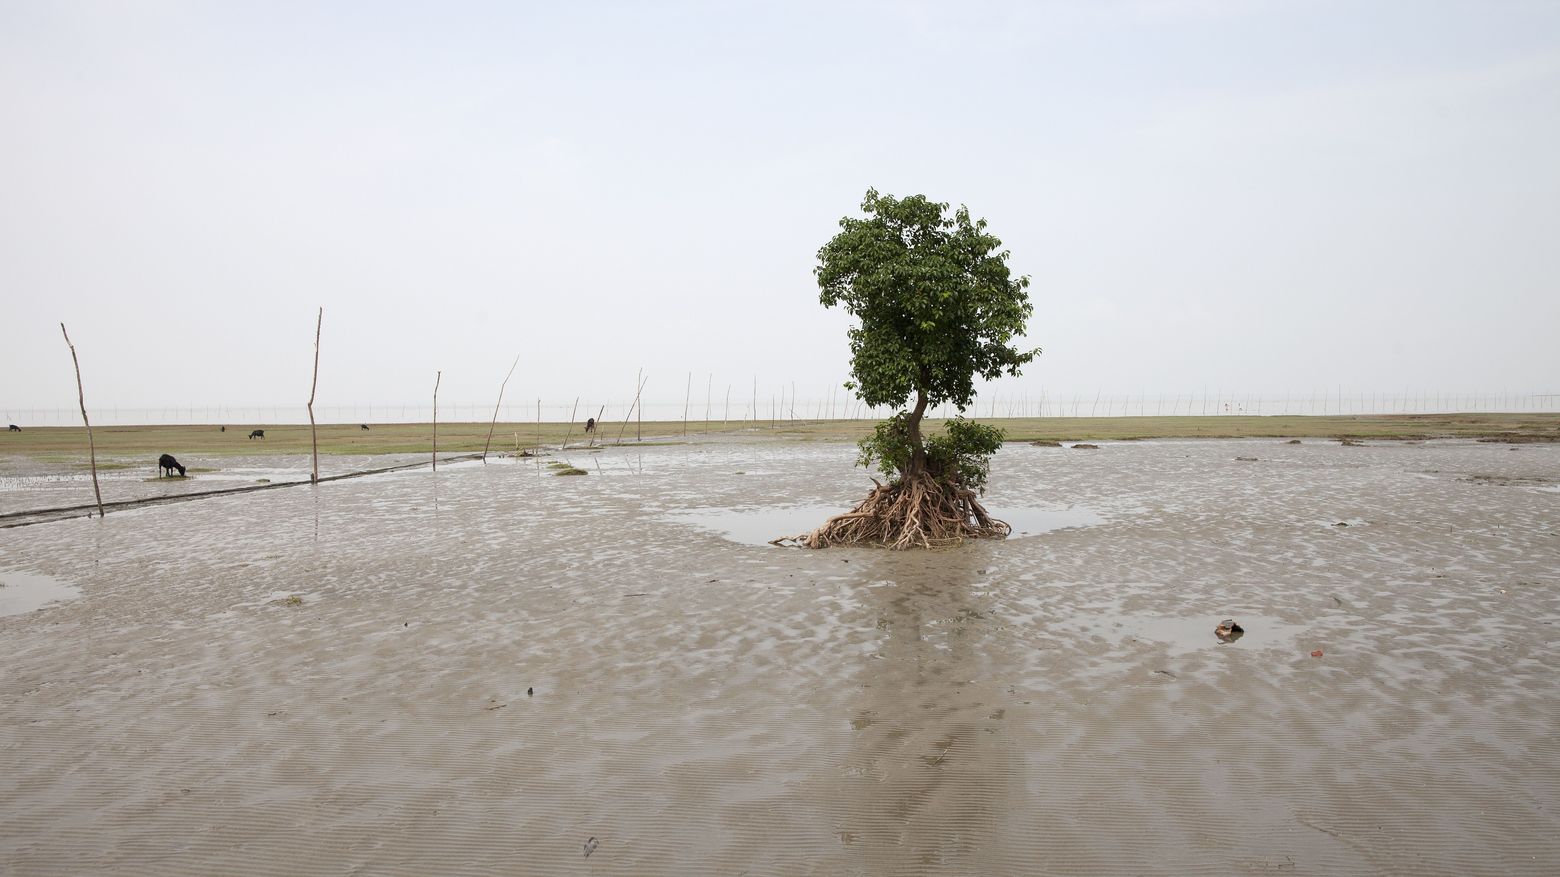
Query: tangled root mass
[917, 511]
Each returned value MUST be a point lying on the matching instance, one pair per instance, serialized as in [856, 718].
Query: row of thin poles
[727, 411]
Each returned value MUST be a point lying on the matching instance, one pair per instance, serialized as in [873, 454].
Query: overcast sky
[1258, 196]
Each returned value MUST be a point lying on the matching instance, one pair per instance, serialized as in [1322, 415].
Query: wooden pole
[436, 379]
[314, 436]
[727, 415]
[496, 406]
[592, 442]
[81, 395]
[573, 411]
[538, 433]
[632, 407]
[708, 387]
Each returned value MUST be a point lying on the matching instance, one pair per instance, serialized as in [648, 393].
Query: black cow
[15, 428]
[259, 434]
[221, 429]
[166, 463]
[363, 426]
[590, 425]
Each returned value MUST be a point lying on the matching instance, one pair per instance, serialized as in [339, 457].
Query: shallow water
[762, 525]
[24, 592]
[699, 705]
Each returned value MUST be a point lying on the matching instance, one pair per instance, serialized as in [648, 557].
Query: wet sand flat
[1052, 704]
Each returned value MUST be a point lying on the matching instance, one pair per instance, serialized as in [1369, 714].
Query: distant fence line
[775, 408]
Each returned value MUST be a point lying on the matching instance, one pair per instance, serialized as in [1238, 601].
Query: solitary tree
[937, 307]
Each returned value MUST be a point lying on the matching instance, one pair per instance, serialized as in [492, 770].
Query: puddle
[22, 592]
[1032, 521]
[1187, 635]
[758, 526]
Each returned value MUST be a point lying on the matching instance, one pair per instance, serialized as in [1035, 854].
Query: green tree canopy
[937, 304]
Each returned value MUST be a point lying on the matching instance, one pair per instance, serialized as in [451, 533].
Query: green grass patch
[569, 470]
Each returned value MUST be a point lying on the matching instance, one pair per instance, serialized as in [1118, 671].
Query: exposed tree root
[918, 511]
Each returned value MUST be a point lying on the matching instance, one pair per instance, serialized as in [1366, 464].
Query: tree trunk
[913, 427]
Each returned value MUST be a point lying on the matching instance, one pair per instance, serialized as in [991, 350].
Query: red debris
[1317, 653]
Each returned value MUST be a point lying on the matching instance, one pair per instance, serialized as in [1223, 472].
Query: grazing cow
[221, 429]
[590, 425]
[15, 428]
[259, 434]
[166, 463]
[363, 426]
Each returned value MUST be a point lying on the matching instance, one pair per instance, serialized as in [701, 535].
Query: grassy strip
[60, 444]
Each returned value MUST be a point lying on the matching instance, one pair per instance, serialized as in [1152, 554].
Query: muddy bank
[699, 705]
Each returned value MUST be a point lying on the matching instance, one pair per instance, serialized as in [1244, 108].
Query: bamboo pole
[314, 436]
[81, 396]
[687, 394]
[708, 386]
[436, 379]
[573, 411]
[496, 406]
[621, 429]
[597, 429]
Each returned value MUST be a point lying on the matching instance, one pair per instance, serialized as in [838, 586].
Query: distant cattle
[166, 463]
[221, 429]
[363, 426]
[15, 428]
[590, 425]
[259, 434]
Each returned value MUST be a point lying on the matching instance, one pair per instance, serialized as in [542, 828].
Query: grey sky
[1263, 196]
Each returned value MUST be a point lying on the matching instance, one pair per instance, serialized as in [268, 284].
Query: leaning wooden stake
[572, 411]
[314, 438]
[82, 396]
[597, 428]
[436, 379]
[634, 405]
[496, 407]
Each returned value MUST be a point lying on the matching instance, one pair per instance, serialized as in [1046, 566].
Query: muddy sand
[492, 671]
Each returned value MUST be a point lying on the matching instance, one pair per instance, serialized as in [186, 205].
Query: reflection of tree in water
[931, 772]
